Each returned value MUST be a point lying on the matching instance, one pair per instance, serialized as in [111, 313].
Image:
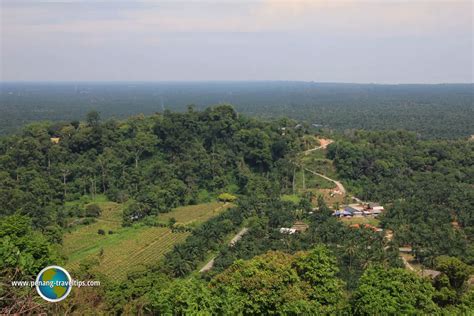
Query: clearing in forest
[361, 220]
[311, 181]
[332, 200]
[194, 213]
[315, 162]
[129, 248]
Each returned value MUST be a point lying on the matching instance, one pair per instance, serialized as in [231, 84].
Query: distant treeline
[432, 111]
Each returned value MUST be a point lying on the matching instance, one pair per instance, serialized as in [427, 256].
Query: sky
[362, 41]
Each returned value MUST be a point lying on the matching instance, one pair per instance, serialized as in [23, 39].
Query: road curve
[337, 183]
[325, 143]
[343, 190]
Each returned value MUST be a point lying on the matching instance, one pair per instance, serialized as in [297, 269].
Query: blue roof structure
[341, 213]
[352, 210]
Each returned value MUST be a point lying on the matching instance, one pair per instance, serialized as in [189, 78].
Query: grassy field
[86, 199]
[85, 239]
[291, 198]
[361, 220]
[194, 213]
[312, 181]
[317, 161]
[332, 200]
[129, 248]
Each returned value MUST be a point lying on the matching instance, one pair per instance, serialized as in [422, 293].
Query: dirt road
[407, 264]
[324, 143]
[343, 190]
[239, 235]
[337, 183]
[208, 266]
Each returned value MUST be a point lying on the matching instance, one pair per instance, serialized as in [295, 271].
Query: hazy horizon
[351, 41]
[227, 81]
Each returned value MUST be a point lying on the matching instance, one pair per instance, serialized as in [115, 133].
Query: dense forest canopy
[50, 174]
[161, 161]
[432, 111]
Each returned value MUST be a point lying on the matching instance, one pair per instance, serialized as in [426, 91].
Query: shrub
[88, 221]
[227, 197]
[171, 222]
[232, 188]
[74, 210]
[203, 196]
[118, 196]
[93, 210]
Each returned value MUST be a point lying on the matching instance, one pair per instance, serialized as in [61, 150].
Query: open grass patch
[291, 198]
[332, 200]
[194, 213]
[317, 162]
[361, 220]
[312, 181]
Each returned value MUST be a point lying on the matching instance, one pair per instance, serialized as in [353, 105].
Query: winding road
[337, 183]
[324, 144]
[341, 188]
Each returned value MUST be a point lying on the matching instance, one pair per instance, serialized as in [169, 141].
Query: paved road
[208, 266]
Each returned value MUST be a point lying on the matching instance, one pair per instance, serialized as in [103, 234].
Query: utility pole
[294, 175]
[304, 184]
[65, 173]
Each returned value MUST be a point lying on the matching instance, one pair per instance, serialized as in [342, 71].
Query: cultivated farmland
[194, 213]
[130, 248]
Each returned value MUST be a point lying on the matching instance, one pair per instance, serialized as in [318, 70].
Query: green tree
[226, 197]
[23, 253]
[93, 118]
[457, 271]
[280, 283]
[452, 283]
[93, 210]
[143, 142]
[183, 297]
[319, 269]
[384, 291]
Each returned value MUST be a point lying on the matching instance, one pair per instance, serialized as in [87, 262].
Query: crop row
[124, 257]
